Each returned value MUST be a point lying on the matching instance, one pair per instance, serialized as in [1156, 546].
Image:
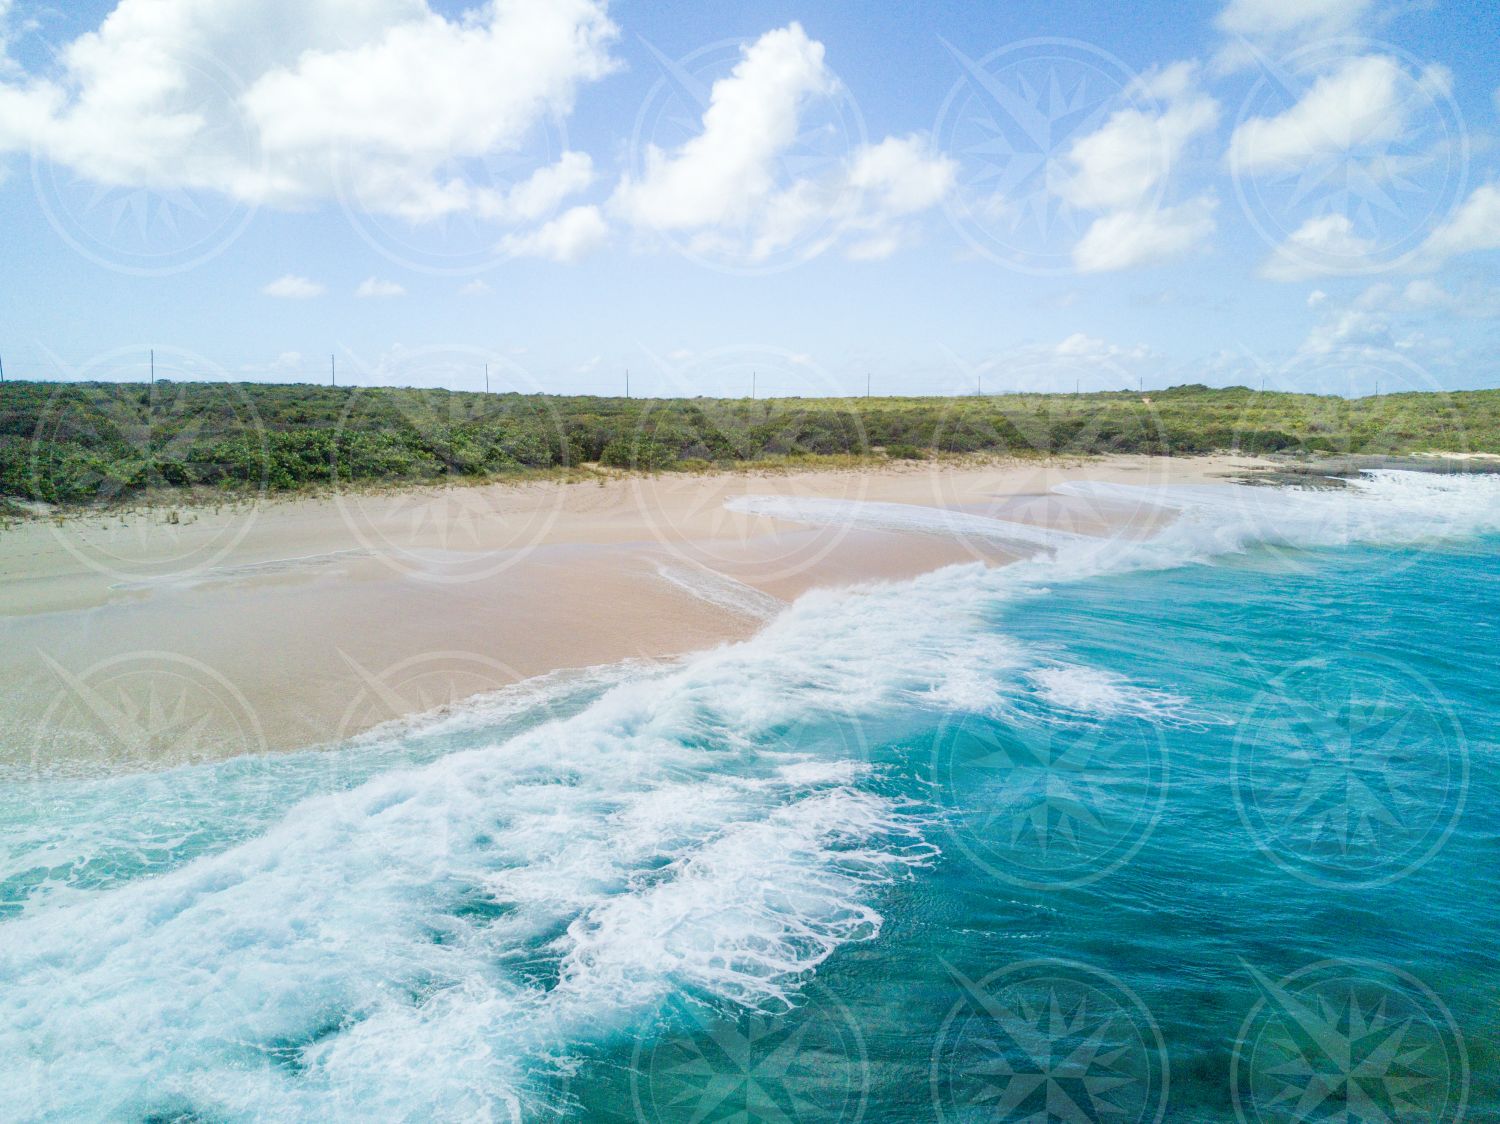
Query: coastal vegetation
[100, 443]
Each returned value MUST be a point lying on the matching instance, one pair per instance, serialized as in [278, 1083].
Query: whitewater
[474, 915]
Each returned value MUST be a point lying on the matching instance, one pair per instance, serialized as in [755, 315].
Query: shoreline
[134, 643]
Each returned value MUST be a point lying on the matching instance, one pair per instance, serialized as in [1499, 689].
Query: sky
[820, 196]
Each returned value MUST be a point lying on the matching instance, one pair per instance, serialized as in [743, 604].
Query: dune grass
[104, 443]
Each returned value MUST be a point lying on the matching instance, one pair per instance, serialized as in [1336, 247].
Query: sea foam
[434, 938]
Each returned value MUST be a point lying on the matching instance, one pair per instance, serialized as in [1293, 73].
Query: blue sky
[939, 196]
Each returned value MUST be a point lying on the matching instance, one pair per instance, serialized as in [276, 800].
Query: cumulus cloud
[1318, 247]
[1271, 25]
[727, 192]
[1080, 345]
[1130, 156]
[475, 288]
[294, 288]
[1388, 316]
[1365, 102]
[374, 287]
[1350, 329]
[282, 102]
[568, 238]
[1132, 238]
[1123, 169]
[1476, 226]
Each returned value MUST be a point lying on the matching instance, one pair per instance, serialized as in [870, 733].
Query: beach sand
[139, 642]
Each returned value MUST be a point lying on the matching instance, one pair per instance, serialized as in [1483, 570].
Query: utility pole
[486, 378]
[2, 370]
[753, 374]
[333, 370]
[867, 384]
[627, 382]
[153, 366]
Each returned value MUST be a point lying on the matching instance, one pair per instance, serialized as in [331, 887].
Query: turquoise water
[1201, 828]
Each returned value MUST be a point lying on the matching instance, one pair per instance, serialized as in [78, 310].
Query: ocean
[1198, 823]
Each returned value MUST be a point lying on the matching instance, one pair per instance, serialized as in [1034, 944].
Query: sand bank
[139, 641]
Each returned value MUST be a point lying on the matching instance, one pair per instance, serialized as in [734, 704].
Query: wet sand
[137, 641]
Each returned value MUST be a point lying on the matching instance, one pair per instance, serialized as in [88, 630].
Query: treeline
[84, 443]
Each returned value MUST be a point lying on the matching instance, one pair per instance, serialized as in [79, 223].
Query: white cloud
[543, 192]
[1351, 329]
[1080, 345]
[1475, 227]
[373, 287]
[1277, 25]
[727, 171]
[476, 288]
[899, 176]
[1131, 155]
[1318, 247]
[1123, 169]
[568, 238]
[726, 190]
[1124, 239]
[1365, 102]
[271, 102]
[294, 288]
[1386, 316]
[1261, 19]
[1316, 297]
[1424, 296]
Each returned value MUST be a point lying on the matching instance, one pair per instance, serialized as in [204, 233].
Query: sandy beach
[158, 637]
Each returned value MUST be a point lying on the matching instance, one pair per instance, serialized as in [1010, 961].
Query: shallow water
[1197, 828]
